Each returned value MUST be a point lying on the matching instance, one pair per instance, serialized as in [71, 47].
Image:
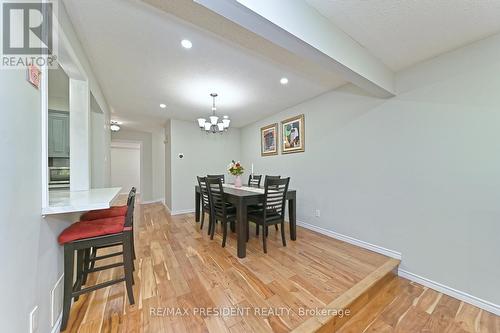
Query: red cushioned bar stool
[90, 255]
[83, 235]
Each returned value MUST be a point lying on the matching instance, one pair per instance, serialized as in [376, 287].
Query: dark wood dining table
[241, 199]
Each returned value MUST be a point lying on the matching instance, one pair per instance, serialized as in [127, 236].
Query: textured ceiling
[404, 32]
[136, 54]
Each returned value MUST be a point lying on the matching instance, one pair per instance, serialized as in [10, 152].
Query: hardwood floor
[178, 268]
[405, 306]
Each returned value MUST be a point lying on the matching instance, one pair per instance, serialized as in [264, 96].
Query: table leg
[292, 216]
[242, 229]
[197, 204]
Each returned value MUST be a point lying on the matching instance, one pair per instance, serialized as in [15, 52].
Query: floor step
[353, 300]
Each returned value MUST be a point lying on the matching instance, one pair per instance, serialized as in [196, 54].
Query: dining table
[243, 197]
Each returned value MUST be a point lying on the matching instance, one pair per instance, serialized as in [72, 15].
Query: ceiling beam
[290, 33]
[300, 29]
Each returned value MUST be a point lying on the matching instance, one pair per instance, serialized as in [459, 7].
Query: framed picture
[293, 135]
[269, 140]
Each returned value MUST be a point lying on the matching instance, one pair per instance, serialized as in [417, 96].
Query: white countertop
[65, 201]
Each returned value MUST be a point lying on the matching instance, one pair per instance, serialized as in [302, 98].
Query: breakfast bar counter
[61, 202]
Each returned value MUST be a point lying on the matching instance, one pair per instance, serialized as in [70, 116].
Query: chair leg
[80, 268]
[210, 224]
[69, 262]
[224, 233]
[283, 238]
[93, 256]
[133, 245]
[267, 231]
[212, 233]
[257, 228]
[86, 264]
[127, 267]
[276, 227]
[264, 237]
[202, 219]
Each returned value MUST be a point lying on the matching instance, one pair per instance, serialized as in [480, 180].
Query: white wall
[418, 173]
[33, 260]
[203, 154]
[100, 143]
[152, 160]
[168, 164]
[126, 166]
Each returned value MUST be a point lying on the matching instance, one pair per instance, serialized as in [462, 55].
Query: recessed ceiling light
[284, 80]
[163, 106]
[186, 44]
[115, 126]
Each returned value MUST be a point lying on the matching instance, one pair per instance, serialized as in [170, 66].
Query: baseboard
[178, 212]
[460, 295]
[162, 200]
[476, 301]
[57, 327]
[351, 240]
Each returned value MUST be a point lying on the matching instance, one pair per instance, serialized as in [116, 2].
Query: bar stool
[90, 255]
[83, 235]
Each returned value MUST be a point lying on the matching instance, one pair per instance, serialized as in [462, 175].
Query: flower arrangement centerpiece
[236, 169]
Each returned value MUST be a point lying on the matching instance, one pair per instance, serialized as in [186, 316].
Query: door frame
[129, 144]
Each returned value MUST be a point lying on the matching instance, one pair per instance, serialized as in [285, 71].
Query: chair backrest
[202, 182]
[130, 195]
[275, 196]
[254, 180]
[216, 197]
[269, 178]
[222, 177]
[129, 217]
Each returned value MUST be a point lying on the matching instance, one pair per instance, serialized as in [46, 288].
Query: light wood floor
[405, 306]
[179, 267]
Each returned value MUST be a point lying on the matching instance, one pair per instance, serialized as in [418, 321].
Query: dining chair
[270, 178]
[205, 202]
[222, 177]
[220, 210]
[273, 211]
[259, 206]
[254, 180]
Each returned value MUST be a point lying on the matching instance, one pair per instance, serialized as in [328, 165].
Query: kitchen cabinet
[58, 136]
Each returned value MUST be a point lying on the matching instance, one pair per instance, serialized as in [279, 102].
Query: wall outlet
[318, 213]
[34, 320]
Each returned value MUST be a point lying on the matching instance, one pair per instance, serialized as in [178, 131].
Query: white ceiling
[136, 54]
[404, 32]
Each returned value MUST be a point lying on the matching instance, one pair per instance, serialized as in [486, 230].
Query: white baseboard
[476, 301]
[351, 240]
[162, 200]
[57, 327]
[460, 295]
[184, 211]
[178, 212]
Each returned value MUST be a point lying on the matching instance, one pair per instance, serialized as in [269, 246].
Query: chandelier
[213, 125]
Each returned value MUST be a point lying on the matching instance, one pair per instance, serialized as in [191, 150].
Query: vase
[237, 181]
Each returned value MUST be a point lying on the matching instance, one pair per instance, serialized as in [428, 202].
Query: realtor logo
[28, 34]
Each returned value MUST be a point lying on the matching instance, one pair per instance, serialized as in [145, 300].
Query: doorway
[126, 165]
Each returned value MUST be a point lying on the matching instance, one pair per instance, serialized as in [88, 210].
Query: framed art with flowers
[269, 140]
